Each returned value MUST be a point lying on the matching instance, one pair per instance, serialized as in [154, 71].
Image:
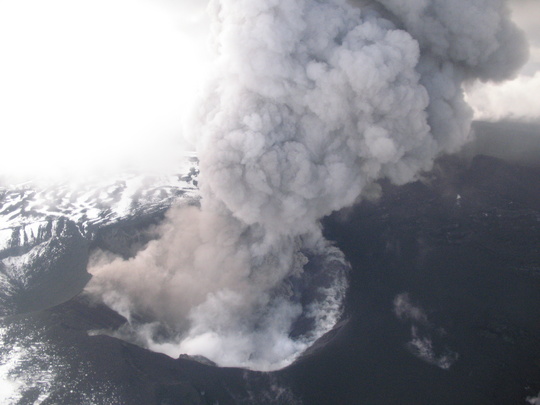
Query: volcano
[442, 305]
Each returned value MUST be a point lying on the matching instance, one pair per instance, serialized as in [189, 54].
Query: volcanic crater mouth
[315, 296]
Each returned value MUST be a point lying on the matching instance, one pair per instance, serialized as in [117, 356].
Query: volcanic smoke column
[311, 102]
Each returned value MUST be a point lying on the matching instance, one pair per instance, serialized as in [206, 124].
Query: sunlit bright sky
[90, 85]
[94, 85]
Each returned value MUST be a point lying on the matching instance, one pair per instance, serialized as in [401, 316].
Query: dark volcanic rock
[128, 235]
[47, 272]
[464, 246]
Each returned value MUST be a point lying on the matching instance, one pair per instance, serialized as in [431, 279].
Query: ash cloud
[310, 103]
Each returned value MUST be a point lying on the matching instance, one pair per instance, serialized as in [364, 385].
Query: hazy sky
[91, 85]
[518, 98]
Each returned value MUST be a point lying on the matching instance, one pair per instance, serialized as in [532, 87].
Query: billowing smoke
[311, 103]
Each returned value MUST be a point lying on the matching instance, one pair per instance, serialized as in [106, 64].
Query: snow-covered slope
[27, 209]
[46, 231]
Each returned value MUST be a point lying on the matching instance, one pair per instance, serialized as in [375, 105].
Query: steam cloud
[422, 344]
[311, 102]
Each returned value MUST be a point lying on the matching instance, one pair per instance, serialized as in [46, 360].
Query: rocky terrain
[443, 304]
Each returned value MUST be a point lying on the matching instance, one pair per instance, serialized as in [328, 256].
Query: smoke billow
[310, 103]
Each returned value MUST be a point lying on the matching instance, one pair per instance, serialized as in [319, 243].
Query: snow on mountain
[26, 209]
[46, 232]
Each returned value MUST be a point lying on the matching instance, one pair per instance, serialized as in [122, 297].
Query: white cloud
[518, 98]
[515, 99]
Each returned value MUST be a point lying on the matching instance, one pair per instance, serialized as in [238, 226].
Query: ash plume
[310, 103]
